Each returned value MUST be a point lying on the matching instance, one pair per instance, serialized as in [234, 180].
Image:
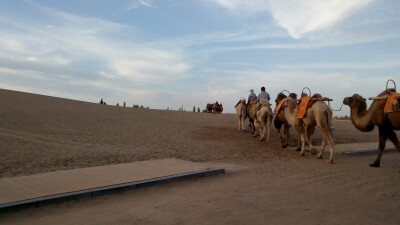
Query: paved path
[84, 182]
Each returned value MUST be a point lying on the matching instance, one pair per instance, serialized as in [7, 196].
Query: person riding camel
[251, 97]
[263, 95]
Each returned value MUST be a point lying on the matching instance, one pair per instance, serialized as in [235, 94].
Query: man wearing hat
[251, 97]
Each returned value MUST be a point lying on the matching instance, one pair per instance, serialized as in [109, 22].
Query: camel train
[308, 112]
[214, 108]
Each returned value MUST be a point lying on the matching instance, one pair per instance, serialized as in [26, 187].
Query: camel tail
[328, 120]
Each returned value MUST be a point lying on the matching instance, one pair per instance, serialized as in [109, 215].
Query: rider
[263, 95]
[251, 97]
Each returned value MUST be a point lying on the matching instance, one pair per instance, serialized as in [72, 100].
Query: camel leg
[298, 142]
[310, 132]
[381, 147]
[287, 136]
[327, 136]
[331, 145]
[323, 146]
[269, 122]
[393, 138]
[262, 131]
[300, 129]
[251, 125]
[239, 125]
[278, 132]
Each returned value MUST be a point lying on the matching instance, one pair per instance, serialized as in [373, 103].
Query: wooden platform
[45, 188]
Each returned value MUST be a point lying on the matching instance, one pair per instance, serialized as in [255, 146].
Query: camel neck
[361, 118]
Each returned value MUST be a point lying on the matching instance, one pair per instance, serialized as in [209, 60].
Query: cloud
[138, 3]
[298, 17]
[71, 40]
[301, 16]
[56, 53]
[248, 7]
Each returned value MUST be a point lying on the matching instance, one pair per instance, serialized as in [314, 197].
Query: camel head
[317, 95]
[355, 99]
[293, 95]
[279, 98]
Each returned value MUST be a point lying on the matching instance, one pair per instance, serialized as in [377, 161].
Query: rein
[329, 105]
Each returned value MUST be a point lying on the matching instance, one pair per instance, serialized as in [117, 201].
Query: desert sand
[263, 184]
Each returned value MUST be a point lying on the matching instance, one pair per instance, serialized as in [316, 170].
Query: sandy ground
[263, 184]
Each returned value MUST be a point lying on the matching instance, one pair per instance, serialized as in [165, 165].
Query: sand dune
[264, 184]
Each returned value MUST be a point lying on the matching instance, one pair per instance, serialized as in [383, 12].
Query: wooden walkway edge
[153, 172]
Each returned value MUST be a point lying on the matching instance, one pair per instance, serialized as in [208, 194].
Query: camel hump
[264, 102]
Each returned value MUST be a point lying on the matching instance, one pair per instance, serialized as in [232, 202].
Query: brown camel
[280, 119]
[251, 113]
[365, 120]
[241, 113]
[264, 119]
[209, 107]
[217, 108]
[318, 115]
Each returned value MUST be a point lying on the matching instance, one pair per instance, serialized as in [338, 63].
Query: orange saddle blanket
[302, 107]
[278, 108]
[391, 99]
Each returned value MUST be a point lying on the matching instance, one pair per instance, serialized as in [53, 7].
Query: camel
[217, 108]
[263, 119]
[318, 115]
[365, 121]
[241, 113]
[251, 113]
[280, 119]
[209, 107]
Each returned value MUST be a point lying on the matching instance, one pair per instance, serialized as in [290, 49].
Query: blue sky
[162, 53]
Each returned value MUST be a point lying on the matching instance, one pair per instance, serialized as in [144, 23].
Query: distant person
[251, 97]
[101, 101]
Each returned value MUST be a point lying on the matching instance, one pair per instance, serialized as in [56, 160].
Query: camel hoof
[319, 156]
[262, 139]
[330, 161]
[375, 165]
[302, 154]
[313, 151]
[298, 149]
[284, 145]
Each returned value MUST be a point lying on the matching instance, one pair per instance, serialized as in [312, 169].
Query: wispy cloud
[138, 3]
[302, 16]
[74, 51]
[248, 7]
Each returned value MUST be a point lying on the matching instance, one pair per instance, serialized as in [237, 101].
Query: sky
[172, 53]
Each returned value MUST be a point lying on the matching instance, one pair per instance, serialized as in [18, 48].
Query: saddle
[278, 108]
[304, 104]
[387, 104]
[263, 103]
[302, 107]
